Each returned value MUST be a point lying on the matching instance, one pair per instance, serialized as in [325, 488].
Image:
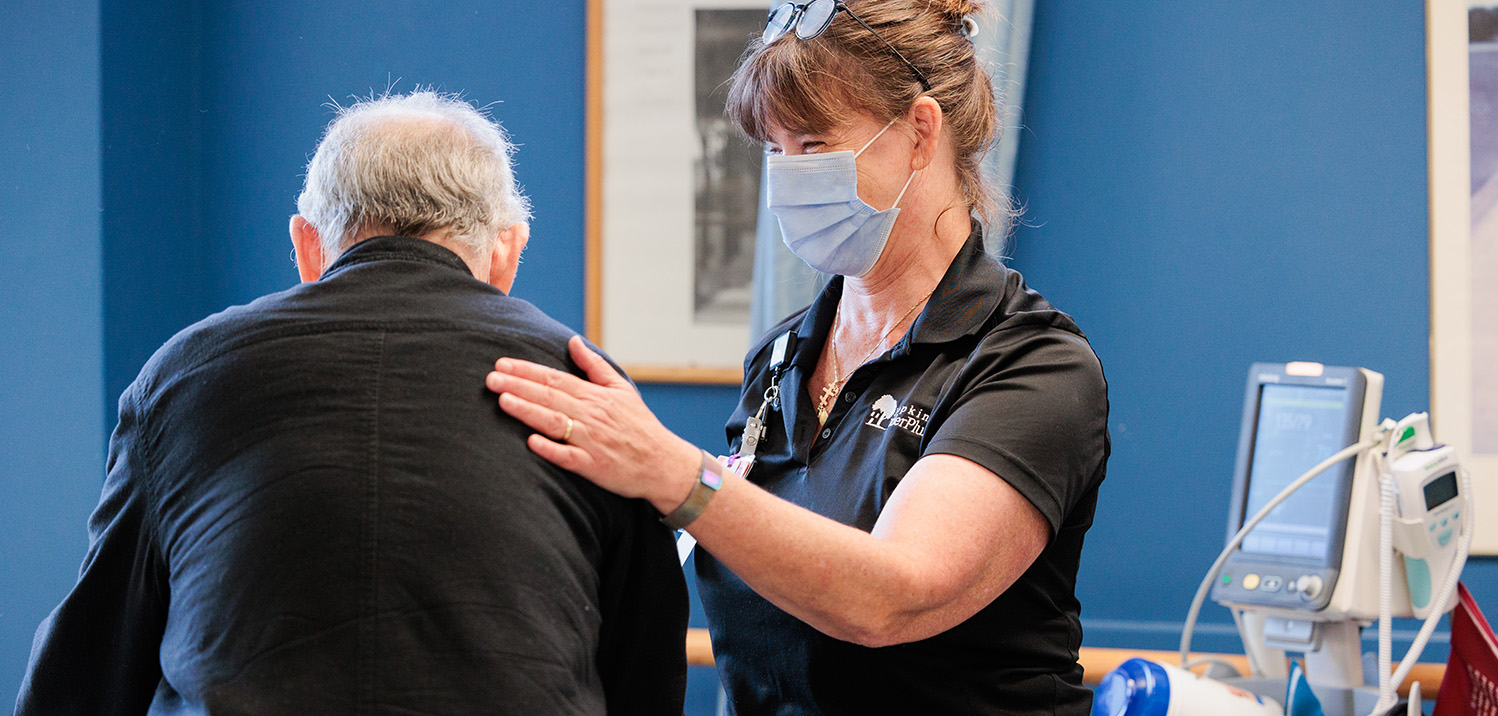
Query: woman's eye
[812, 147]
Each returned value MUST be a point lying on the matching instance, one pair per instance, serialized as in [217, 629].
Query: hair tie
[969, 27]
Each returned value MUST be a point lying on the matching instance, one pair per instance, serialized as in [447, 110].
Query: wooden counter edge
[1097, 662]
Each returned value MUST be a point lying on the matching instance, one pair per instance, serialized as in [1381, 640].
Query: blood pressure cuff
[1471, 682]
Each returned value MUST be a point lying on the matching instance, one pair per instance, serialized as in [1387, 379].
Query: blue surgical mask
[822, 220]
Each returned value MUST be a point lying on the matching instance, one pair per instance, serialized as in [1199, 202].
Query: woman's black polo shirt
[991, 372]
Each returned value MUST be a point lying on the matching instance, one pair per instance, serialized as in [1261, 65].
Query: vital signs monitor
[1295, 415]
[1337, 519]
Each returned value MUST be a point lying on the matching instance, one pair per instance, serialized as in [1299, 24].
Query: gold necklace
[830, 391]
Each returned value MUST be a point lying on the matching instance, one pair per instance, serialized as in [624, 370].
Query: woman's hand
[614, 441]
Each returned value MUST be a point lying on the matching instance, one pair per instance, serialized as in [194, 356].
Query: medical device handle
[1448, 588]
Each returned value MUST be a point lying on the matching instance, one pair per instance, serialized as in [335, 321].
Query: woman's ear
[925, 118]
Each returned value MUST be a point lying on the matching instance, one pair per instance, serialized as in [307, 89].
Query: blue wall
[157, 277]
[1207, 185]
[51, 320]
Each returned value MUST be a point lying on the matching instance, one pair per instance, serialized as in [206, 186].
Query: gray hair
[416, 165]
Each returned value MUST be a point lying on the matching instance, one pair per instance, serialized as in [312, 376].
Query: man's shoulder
[202, 340]
[522, 318]
[318, 311]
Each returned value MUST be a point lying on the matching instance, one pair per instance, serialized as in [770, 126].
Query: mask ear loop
[902, 189]
[912, 174]
[870, 143]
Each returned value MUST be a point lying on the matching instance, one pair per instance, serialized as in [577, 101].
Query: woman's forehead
[851, 123]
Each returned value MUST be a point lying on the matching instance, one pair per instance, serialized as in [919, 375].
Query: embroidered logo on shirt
[886, 413]
[884, 409]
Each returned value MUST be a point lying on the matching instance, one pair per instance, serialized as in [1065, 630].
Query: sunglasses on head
[811, 19]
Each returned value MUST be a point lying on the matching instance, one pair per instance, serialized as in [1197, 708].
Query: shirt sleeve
[642, 656]
[1033, 409]
[98, 651]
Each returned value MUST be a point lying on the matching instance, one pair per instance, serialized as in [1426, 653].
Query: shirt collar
[384, 248]
[967, 296]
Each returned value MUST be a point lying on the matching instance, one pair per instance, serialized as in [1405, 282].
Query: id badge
[738, 465]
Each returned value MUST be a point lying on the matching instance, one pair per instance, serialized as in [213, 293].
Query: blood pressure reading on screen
[1298, 427]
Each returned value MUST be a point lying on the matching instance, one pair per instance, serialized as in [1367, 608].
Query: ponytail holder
[969, 27]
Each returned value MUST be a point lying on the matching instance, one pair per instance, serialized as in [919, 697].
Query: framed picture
[1462, 58]
[673, 188]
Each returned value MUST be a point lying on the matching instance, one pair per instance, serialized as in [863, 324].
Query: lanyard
[754, 428]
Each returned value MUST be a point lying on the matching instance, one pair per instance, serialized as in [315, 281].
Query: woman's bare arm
[952, 537]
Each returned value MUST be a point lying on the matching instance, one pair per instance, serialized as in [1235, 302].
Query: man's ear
[308, 245]
[506, 260]
[925, 117]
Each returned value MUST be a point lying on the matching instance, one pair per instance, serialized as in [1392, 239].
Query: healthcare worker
[907, 537]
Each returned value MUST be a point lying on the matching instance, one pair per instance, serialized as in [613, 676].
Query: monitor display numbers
[1298, 426]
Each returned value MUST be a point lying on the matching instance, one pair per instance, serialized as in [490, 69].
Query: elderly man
[313, 506]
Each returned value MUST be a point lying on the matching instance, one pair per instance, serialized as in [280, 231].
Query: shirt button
[826, 433]
[850, 396]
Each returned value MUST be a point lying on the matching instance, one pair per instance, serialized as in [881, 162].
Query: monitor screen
[1440, 490]
[1298, 426]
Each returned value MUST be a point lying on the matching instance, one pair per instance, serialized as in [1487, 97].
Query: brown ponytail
[812, 86]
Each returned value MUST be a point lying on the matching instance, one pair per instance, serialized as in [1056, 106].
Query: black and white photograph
[677, 189]
[727, 173]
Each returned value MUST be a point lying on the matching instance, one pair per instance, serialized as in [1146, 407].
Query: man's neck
[479, 266]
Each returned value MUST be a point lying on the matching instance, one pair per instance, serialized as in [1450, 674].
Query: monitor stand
[1333, 661]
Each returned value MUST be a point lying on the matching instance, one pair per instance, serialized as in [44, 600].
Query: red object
[1470, 686]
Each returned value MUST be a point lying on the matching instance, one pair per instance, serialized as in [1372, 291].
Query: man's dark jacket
[313, 506]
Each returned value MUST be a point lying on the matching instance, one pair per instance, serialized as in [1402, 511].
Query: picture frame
[1462, 66]
[672, 188]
